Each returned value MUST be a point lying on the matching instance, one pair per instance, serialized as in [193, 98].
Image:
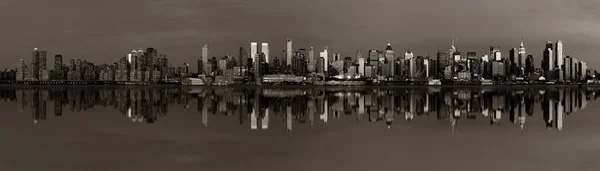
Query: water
[300, 128]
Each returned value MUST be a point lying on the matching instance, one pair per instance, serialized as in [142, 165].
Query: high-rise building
[495, 53]
[575, 69]
[583, 70]
[373, 59]
[558, 59]
[390, 57]
[205, 59]
[257, 72]
[529, 65]
[289, 51]
[58, 72]
[324, 55]
[426, 65]
[409, 56]
[38, 61]
[514, 61]
[548, 61]
[265, 50]
[311, 60]
[567, 68]
[522, 56]
[253, 51]
[21, 70]
[442, 58]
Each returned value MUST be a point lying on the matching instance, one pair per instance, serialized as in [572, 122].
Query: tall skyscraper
[391, 59]
[361, 63]
[442, 58]
[548, 61]
[558, 60]
[324, 55]
[205, 59]
[529, 64]
[522, 55]
[583, 70]
[289, 51]
[495, 53]
[37, 56]
[58, 72]
[568, 68]
[408, 56]
[253, 51]
[21, 70]
[265, 50]
[311, 57]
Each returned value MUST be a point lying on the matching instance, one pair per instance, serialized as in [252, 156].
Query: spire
[521, 41]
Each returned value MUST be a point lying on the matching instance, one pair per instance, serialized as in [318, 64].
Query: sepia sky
[103, 31]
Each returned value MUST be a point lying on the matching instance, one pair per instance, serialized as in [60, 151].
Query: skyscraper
[567, 68]
[253, 51]
[205, 59]
[514, 61]
[289, 51]
[58, 72]
[548, 62]
[391, 59]
[265, 50]
[21, 70]
[311, 60]
[529, 65]
[558, 59]
[522, 56]
[495, 53]
[442, 58]
[324, 55]
[408, 56]
[583, 70]
[37, 57]
[361, 63]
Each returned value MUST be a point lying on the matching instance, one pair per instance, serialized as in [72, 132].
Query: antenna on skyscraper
[521, 41]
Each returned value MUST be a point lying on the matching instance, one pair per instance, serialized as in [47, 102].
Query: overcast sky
[103, 31]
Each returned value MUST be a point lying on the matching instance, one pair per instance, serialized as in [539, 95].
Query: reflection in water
[257, 106]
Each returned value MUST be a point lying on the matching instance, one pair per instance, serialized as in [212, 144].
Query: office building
[409, 56]
[558, 59]
[390, 57]
[265, 50]
[522, 57]
[324, 55]
[361, 66]
[495, 53]
[567, 68]
[442, 58]
[311, 60]
[548, 61]
[253, 51]
[205, 60]
[289, 51]
[373, 58]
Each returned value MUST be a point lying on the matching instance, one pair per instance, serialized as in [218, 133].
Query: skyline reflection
[257, 107]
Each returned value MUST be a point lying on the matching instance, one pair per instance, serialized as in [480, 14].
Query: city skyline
[152, 67]
[315, 24]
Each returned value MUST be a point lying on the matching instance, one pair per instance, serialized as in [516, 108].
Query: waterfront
[299, 128]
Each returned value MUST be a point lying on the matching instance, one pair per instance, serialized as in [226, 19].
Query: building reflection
[256, 107]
